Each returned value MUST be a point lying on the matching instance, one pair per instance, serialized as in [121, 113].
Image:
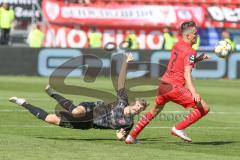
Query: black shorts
[68, 121]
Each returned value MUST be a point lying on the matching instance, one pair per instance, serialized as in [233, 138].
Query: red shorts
[175, 93]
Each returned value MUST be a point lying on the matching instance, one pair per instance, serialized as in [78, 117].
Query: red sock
[191, 118]
[141, 124]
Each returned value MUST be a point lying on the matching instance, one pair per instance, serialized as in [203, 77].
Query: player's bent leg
[156, 109]
[65, 103]
[205, 107]
[53, 119]
[36, 111]
[200, 110]
[79, 112]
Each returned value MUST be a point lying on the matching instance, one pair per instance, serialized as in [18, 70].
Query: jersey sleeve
[189, 59]
[122, 96]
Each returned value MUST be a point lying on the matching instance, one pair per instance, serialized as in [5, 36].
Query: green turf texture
[23, 137]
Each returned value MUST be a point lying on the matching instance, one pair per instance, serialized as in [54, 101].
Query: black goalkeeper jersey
[111, 116]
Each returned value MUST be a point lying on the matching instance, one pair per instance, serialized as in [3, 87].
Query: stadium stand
[209, 35]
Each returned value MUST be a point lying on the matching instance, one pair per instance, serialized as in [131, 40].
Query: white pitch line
[223, 128]
[211, 112]
[26, 126]
[9, 110]
[32, 99]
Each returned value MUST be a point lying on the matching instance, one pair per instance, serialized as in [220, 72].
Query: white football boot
[49, 90]
[131, 140]
[180, 134]
[16, 100]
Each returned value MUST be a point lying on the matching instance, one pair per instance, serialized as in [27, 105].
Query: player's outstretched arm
[127, 57]
[202, 57]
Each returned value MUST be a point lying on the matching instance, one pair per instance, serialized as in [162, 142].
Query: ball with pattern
[223, 49]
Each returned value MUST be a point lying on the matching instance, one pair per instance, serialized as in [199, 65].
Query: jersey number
[175, 58]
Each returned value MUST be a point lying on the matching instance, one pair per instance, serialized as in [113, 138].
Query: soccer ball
[223, 49]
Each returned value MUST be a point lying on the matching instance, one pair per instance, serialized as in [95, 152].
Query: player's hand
[129, 56]
[203, 56]
[121, 134]
[196, 97]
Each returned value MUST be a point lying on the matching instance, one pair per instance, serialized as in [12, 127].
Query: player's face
[193, 35]
[137, 108]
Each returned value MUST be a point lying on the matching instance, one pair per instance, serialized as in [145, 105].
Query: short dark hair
[143, 102]
[186, 25]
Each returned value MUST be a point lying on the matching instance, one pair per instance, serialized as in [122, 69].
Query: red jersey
[182, 55]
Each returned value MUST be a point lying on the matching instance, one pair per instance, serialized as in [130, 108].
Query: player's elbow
[187, 75]
[188, 79]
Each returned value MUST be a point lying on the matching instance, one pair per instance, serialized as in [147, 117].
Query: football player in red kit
[177, 86]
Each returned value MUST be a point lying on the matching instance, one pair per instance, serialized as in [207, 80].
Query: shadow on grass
[154, 139]
[78, 139]
[214, 143]
[151, 139]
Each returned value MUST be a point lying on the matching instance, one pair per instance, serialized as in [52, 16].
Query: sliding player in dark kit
[117, 115]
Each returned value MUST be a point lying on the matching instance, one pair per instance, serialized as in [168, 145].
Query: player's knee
[158, 105]
[159, 102]
[53, 119]
[206, 109]
[78, 112]
[156, 109]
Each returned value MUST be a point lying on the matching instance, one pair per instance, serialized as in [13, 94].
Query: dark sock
[38, 112]
[65, 103]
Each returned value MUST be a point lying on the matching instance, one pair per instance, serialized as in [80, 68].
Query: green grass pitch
[23, 137]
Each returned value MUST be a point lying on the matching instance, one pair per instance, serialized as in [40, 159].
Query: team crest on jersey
[121, 121]
[191, 58]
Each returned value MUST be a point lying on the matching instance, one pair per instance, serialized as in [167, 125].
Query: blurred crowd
[6, 21]
[35, 36]
[170, 38]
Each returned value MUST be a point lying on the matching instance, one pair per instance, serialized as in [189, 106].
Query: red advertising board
[62, 36]
[120, 15]
[113, 21]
